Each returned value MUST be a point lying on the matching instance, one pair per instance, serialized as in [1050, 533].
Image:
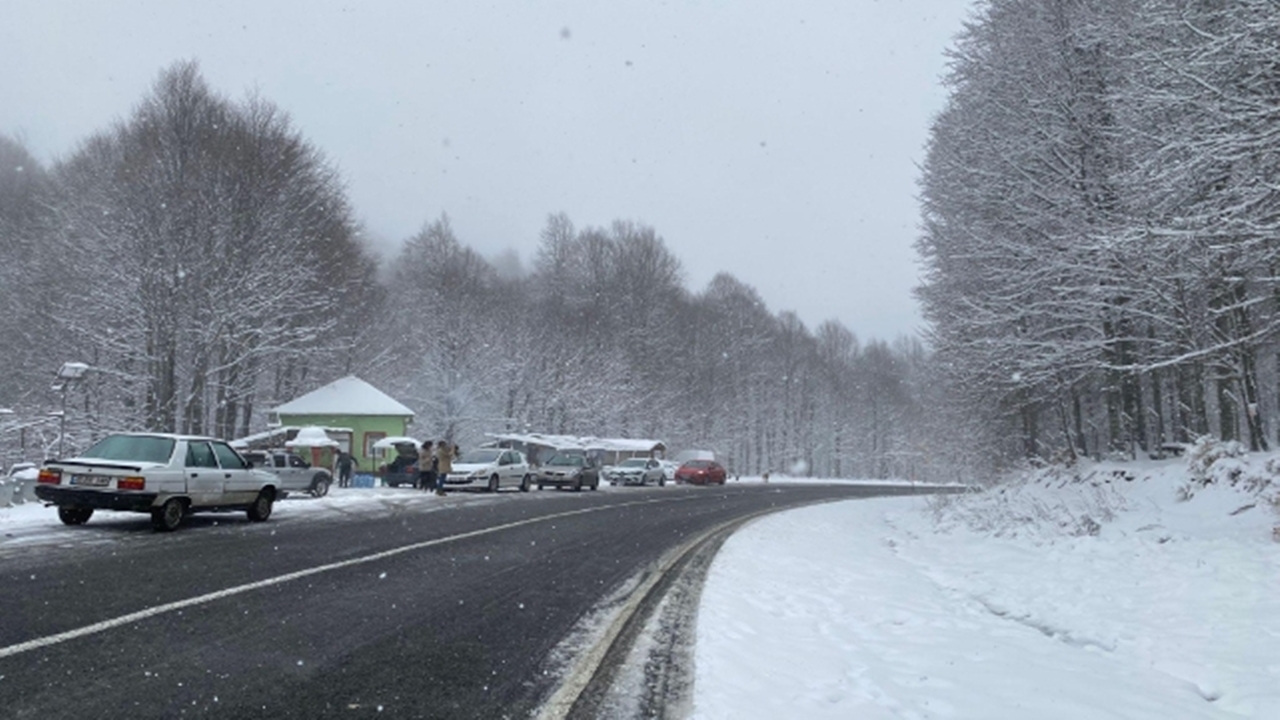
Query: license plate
[91, 480]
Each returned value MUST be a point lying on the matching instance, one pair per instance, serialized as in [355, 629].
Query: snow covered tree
[206, 248]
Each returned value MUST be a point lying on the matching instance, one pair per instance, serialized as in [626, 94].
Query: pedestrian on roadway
[426, 467]
[345, 462]
[444, 464]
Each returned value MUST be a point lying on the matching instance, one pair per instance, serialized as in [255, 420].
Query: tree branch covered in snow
[1101, 224]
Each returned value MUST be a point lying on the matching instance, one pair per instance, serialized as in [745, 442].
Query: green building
[352, 412]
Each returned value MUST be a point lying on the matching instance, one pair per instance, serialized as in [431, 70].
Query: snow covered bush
[1225, 463]
[1039, 502]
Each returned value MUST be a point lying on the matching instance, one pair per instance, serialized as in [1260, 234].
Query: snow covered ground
[1093, 594]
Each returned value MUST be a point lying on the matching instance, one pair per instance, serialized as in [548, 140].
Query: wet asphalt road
[457, 618]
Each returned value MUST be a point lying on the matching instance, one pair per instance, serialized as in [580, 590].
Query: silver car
[490, 469]
[637, 471]
[295, 473]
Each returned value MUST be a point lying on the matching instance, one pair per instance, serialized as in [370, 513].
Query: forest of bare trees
[202, 257]
[1101, 209]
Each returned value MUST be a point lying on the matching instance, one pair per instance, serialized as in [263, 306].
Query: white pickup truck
[165, 475]
[295, 473]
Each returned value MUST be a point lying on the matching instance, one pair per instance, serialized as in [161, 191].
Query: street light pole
[62, 421]
[68, 373]
[4, 413]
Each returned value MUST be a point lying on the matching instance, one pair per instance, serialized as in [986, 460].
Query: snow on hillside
[1114, 590]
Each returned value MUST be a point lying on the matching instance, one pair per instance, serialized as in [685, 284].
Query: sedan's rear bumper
[96, 499]
[558, 480]
[698, 480]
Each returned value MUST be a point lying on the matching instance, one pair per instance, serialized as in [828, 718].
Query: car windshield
[575, 460]
[479, 457]
[634, 463]
[698, 464]
[135, 448]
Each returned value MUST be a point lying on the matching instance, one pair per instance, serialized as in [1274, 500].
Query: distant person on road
[444, 464]
[345, 462]
[426, 467]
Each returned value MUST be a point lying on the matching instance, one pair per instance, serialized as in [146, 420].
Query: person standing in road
[426, 467]
[444, 464]
[345, 462]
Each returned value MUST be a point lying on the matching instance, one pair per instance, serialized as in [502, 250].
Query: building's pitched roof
[348, 396]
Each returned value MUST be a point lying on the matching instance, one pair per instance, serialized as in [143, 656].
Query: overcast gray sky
[776, 140]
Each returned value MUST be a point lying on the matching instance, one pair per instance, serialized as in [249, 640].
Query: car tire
[595, 485]
[577, 485]
[319, 486]
[541, 486]
[260, 510]
[493, 484]
[662, 481]
[168, 516]
[524, 484]
[74, 515]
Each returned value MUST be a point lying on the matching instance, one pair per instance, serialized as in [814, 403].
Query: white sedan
[491, 469]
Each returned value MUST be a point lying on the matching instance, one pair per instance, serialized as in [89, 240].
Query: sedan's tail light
[49, 477]
[131, 483]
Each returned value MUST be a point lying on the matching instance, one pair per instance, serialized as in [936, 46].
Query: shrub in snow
[1226, 463]
[1208, 451]
[1044, 502]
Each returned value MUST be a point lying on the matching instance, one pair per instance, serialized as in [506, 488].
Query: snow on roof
[348, 396]
[390, 442]
[572, 442]
[312, 436]
[277, 432]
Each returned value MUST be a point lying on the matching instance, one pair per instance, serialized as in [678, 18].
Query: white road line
[133, 617]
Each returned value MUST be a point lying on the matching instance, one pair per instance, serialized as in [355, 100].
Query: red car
[701, 472]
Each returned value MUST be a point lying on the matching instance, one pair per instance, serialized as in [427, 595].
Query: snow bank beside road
[1086, 595]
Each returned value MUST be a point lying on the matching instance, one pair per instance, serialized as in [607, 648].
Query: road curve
[470, 606]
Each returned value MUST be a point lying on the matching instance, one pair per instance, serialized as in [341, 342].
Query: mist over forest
[202, 257]
[1098, 243]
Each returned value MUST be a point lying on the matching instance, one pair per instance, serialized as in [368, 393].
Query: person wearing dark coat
[345, 462]
[426, 467]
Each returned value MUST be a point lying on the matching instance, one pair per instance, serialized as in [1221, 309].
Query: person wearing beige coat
[444, 464]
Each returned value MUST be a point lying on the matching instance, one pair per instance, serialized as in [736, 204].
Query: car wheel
[493, 484]
[595, 485]
[168, 516]
[74, 515]
[541, 486]
[524, 484]
[577, 484]
[261, 508]
[662, 481]
[320, 486]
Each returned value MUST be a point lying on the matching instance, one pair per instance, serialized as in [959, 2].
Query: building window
[369, 439]
[343, 439]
